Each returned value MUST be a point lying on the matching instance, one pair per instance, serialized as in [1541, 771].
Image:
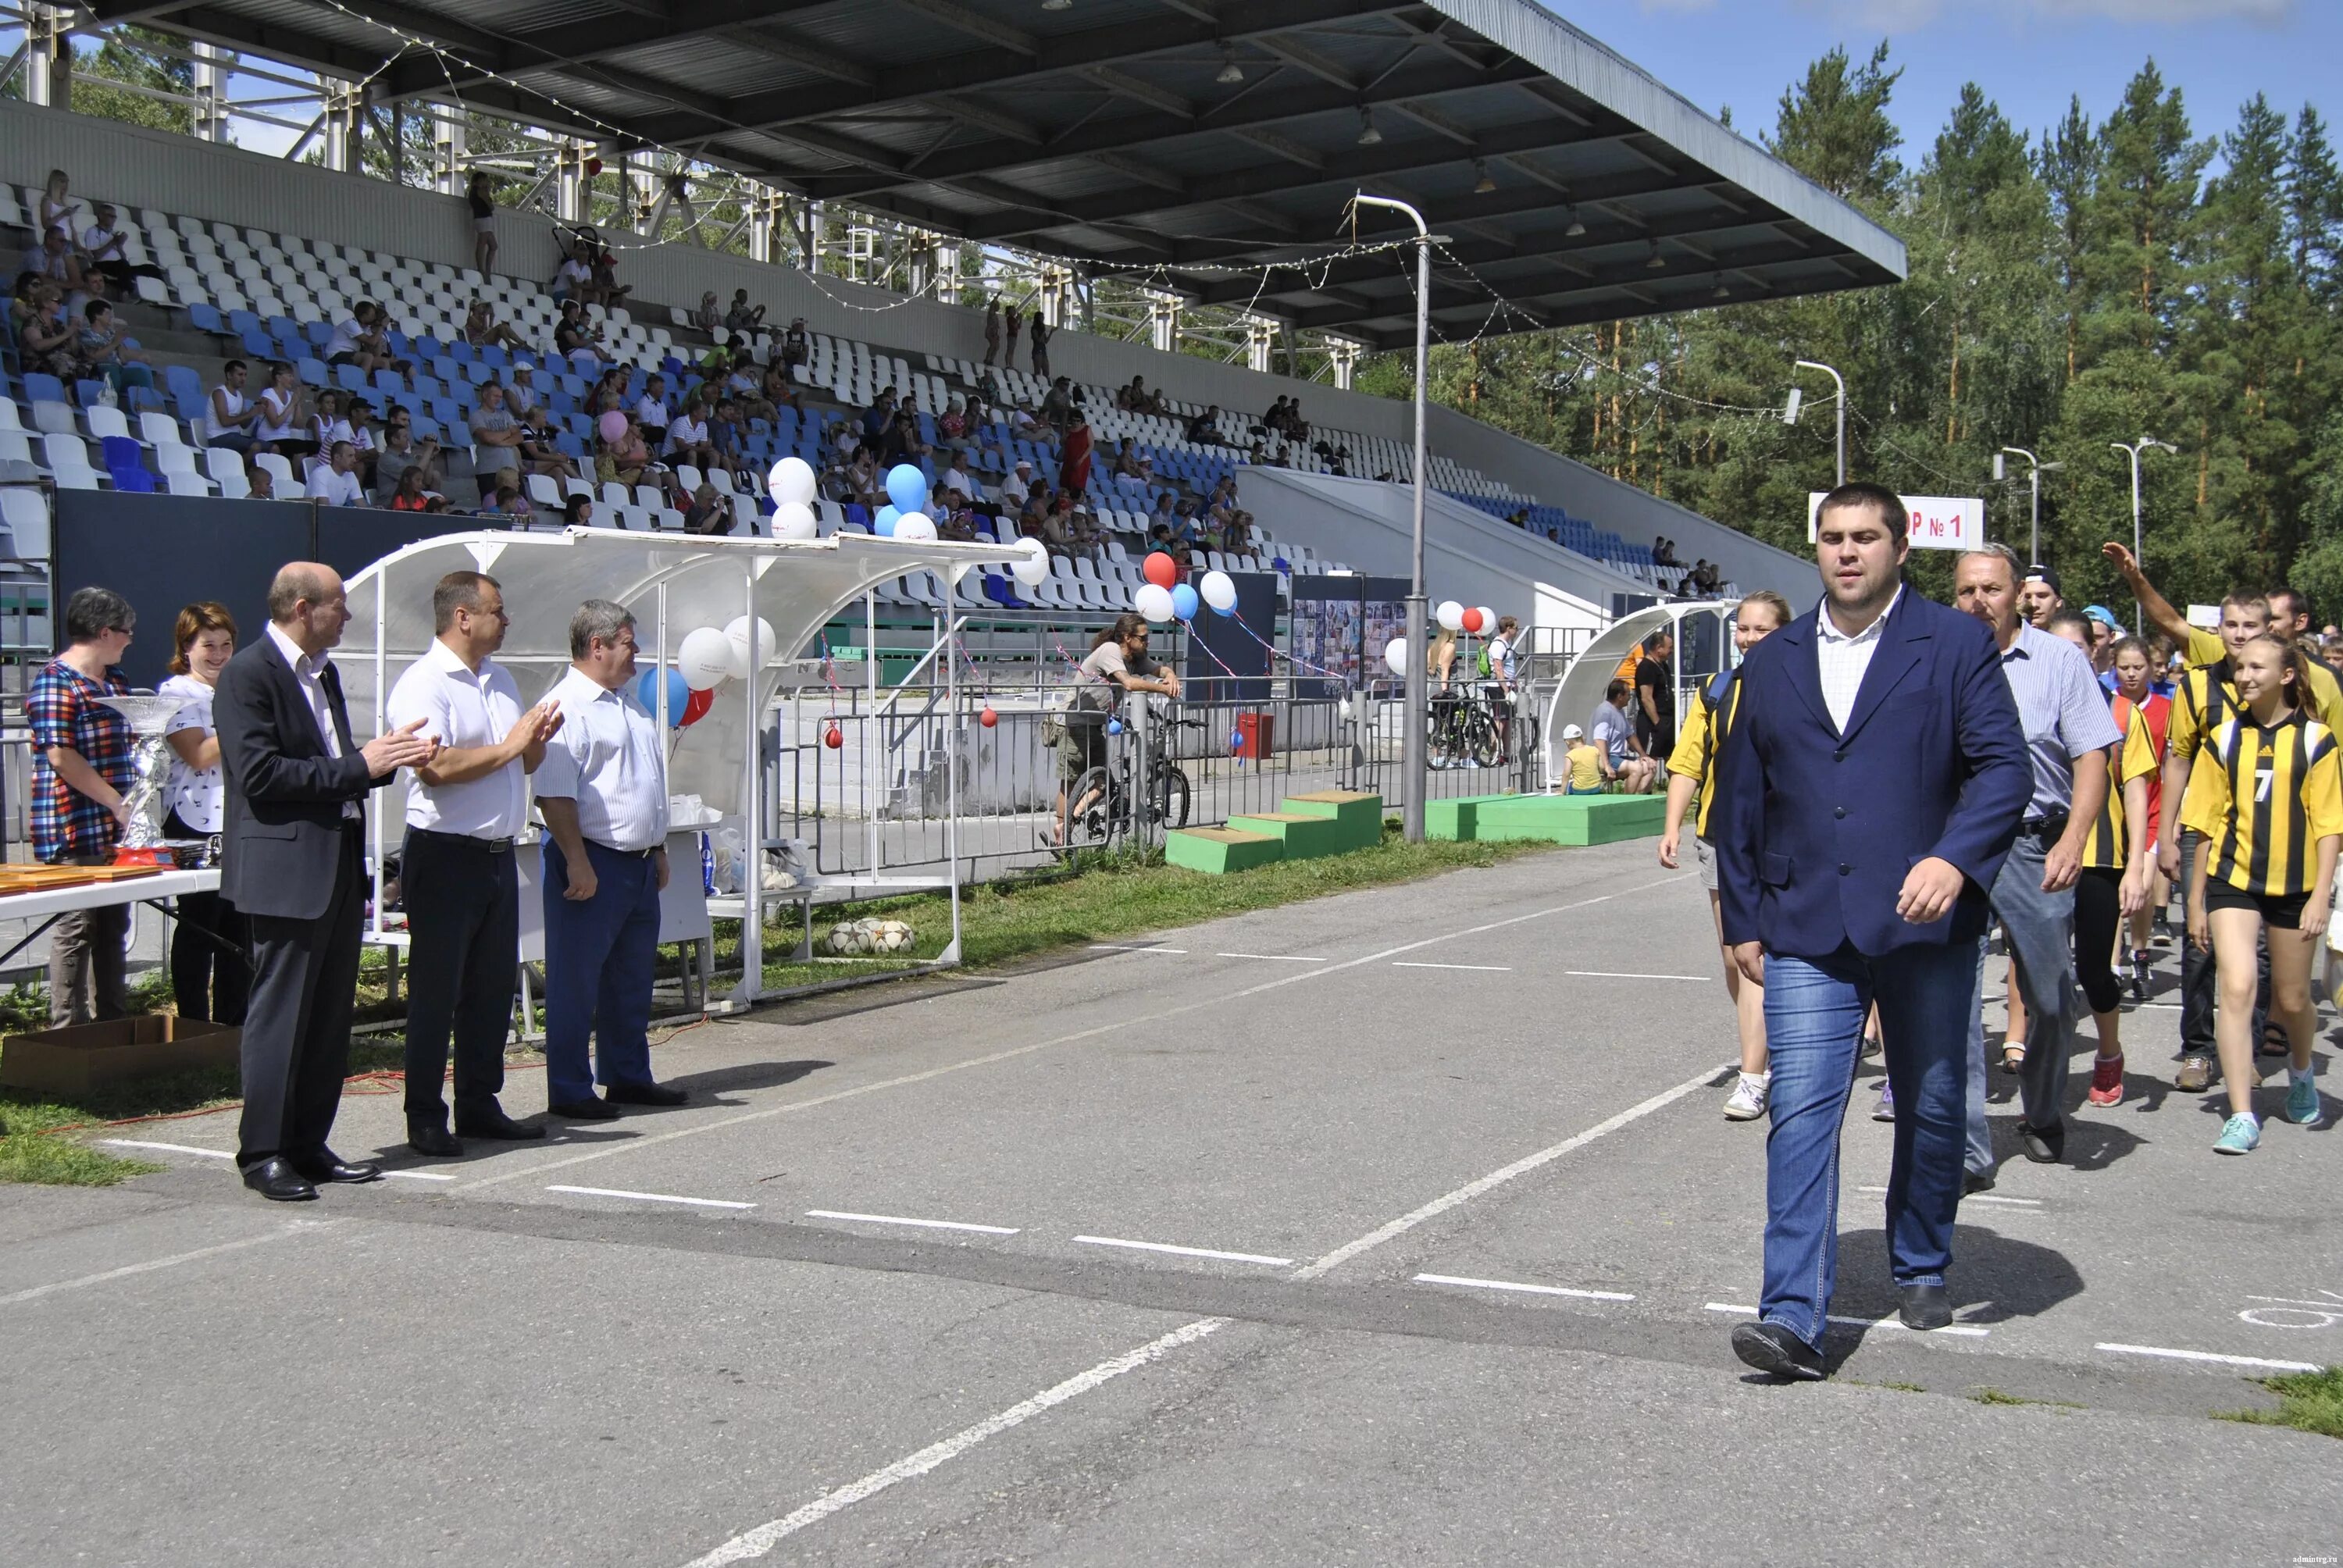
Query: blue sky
[2029, 56]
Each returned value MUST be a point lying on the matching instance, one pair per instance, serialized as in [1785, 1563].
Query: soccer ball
[848, 939]
[868, 936]
[891, 937]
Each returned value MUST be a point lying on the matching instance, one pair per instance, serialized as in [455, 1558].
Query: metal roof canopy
[1103, 133]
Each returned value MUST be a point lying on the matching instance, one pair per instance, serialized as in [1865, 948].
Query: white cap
[1572, 732]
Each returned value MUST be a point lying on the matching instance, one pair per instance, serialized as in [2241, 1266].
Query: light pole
[1415, 684]
[1790, 409]
[2133, 450]
[2036, 469]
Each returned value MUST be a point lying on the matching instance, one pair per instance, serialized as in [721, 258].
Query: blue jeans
[598, 972]
[1815, 1009]
[2040, 931]
[1979, 1158]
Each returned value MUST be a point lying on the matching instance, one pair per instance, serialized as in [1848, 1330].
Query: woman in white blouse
[278, 428]
[209, 972]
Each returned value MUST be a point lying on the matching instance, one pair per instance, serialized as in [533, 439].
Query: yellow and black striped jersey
[2263, 797]
[1701, 742]
[2205, 700]
[2107, 843]
[2205, 648]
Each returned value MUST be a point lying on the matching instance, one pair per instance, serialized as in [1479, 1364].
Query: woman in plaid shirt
[82, 767]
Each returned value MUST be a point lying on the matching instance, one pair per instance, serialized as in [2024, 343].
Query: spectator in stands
[51, 256]
[836, 481]
[483, 330]
[83, 769]
[778, 391]
[578, 511]
[578, 338]
[952, 423]
[1614, 731]
[1204, 430]
[512, 505]
[335, 481]
[259, 485]
[1126, 460]
[1018, 484]
[709, 513]
[1057, 404]
[956, 478]
[1085, 531]
[953, 519]
[228, 414]
[1238, 538]
[744, 317]
[651, 411]
[628, 459]
[797, 347]
[1273, 421]
[496, 435]
[573, 281]
[869, 484]
[1519, 517]
[687, 437]
[357, 420]
[1042, 334]
[538, 454]
[724, 436]
[1166, 514]
[327, 425]
[107, 250]
[1663, 553]
[604, 261]
[1296, 425]
[357, 341]
[483, 207]
[1074, 459]
[278, 427]
[56, 211]
[1011, 325]
[707, 315]
[1058, 527]
[521, 392]
[610, 392]
[739, 381]
[44, 339]
[95, 287]
[992, 329]
[401, 452]
[407, 492]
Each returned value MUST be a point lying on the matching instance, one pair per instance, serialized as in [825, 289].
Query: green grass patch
[32, 1150]
[2308, 1401]
[1995, 1396]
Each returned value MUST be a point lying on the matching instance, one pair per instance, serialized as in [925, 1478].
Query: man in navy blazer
[1864, 803]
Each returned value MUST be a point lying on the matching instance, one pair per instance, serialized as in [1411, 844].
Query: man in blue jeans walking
[1865, 802]
[602, 788]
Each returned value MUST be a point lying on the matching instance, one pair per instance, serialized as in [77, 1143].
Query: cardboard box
[83, 1057]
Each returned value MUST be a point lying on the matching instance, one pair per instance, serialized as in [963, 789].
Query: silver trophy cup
[142, 826]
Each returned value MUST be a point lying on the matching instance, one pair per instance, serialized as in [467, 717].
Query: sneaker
[1747, 1100]
[2139, 974]
[2302, 1106]
[2239, 1135]
[1885, 1110]
[2196, 1074]
[2107, 1079]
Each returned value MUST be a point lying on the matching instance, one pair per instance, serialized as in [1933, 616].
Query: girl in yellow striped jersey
[2265, 791]
[2098, 907]
[1693, 767]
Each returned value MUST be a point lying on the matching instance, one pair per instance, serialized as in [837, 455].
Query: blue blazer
[1816, 830]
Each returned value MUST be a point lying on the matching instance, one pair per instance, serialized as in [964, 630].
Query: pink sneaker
[2106, 1080]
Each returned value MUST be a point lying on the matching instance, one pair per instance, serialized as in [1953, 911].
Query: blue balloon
[1114, 727]
[1184, 602]
[1236, 740]
[1282, 565]
[906, 487]
[883, 524]
[677, 695]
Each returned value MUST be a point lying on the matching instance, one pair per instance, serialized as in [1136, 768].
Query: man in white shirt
[335, 480]
[462, 892]
[1016, 486]
[956, 478]
[651, 410]
[349, 345]
[521, 396]
[602, 789]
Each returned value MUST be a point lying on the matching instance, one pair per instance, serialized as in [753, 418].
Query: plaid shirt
[65, 710]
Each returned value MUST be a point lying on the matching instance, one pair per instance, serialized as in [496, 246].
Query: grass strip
[2308, 1401]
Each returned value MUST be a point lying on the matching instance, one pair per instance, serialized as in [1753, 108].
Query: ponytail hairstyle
[1120, 628]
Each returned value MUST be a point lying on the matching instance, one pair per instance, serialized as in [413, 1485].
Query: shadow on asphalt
[747, 1076]
[1994, 1278]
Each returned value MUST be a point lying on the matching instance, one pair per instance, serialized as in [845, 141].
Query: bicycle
[1463, 733]
[1100, 808]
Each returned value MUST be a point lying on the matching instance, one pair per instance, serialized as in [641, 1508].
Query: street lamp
[2133, 450]
[1790, 409]
[1417, 690]
[2036, 469]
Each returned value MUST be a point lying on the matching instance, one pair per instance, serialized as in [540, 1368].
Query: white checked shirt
[309, 674]
[1844, 659]
[460, 708]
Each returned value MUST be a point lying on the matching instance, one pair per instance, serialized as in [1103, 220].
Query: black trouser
[2197, 976]
[296, 1027]
[211, 961]
[463, 955]
[2099, 911]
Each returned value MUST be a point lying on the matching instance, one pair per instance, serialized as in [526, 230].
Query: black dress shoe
[2043, 1145]
[587, 1110]
[1977, 1181]
[643, 1094]
[326, 1165]
[432, 1140]
[275, 1179]
[490, 1121]
[1923, 1306]
[1771, 1348]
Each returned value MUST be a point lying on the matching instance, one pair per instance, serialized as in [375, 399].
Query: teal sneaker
[2238, 1136]
[2302, 1102]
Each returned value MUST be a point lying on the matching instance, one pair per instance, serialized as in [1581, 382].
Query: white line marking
[899, 1220]
[418, 1176]
[1129, 947]
[1980, 1198]
[651, 1197]
[757, 1543]
[1120, 1028]
[1512, 1285]
[1274, 958]
[1486, 968]
[1610, 974]
[172, 1261]
[168, 1148]
[2208, 1356]
[1966, 1331]
[1185, 1252]
[1496, 1178]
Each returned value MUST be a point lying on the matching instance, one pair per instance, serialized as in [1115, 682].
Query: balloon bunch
[706, 659]
[1163, 597]
[1472, 620]
[791, 483]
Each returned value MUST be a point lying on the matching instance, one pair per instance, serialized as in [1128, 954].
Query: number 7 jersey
[2264, 796]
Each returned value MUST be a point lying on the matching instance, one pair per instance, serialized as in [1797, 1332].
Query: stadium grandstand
[1204, 152]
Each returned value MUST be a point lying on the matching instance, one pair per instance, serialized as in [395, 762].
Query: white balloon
[792, 481]
[1219, 590]
[793, 520]
[1030, 563]
[1153, 601]
[1488, 621]
[736, 634]
[1395, 655]
[1451, 616]
[705, 660]
[914, 526]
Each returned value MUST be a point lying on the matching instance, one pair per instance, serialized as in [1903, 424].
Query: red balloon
[833, 738]
[696, 706]
[1159, 569]
[1472, 621]
[988, 717]
[593, 168]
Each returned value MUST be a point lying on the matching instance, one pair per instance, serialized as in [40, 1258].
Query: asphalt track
[1401, 1226]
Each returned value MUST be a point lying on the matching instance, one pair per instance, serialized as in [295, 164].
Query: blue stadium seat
[41, 389]
[205, 317]
[313, 371]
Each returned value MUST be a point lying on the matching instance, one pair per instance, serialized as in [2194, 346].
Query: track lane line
[2168, 1353]
[652, 1197]
[906, 1219]
[1184, 1252]
[1526, 1289]
[172, 1261]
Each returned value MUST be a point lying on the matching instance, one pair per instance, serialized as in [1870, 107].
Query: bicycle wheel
[1089, 802]
[1485, 749]
[1168, 795]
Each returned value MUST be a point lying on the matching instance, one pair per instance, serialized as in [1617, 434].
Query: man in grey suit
[294, 862]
